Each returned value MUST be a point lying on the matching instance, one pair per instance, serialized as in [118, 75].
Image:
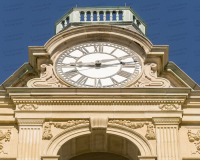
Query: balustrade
[115, 14]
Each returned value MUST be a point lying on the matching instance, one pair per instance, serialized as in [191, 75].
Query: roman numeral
[67, 55]
[82, 80]
[71, 73]
[124, 74]
[98, 48]
[84, 50]
[128, 65]
[114, 81]
[98, 83]
[113, 51]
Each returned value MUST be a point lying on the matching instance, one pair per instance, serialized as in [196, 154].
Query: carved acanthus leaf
[47, 134]
[27, 106]
[196, 139]
[47, 78]
[4, 136]
[149, 78]
[68, 124]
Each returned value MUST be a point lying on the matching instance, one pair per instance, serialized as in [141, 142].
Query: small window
[101, 15]
[120, 15]
[107, 16]
[67, 19]
[88, 16]
[138, 23]
[114, 16]
[94, 16]
[134, 19]
[63, 24]
[82, 16]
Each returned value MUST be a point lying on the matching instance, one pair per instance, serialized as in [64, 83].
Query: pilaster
[167, 137]
[30, 138]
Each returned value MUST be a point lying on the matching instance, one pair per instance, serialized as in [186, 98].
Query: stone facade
[155, 116]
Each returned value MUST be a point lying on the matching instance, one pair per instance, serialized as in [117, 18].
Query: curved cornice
[96, 32]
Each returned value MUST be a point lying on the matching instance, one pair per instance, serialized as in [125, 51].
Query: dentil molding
[30, 121]
[166, 120]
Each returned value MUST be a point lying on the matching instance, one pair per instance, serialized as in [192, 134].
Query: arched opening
[99, 146]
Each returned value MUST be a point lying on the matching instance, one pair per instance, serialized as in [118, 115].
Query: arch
[107, 33]
[83, 129]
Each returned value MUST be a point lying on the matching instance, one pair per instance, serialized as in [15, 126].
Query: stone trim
[30, 121]
[166, 120]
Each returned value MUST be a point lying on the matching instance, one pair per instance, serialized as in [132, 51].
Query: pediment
[157, 71]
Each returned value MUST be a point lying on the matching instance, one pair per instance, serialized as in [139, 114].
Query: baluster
[111, 16]
[85, 16]
[104, 15]
[91, 16]
[98, 18]
[117, 15]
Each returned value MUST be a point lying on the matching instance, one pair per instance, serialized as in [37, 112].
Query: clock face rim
[129, 81]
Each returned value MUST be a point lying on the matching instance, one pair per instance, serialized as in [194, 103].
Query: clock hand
[108, 60]
[98, 62]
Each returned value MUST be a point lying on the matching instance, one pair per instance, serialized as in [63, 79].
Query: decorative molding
[166, 120]
[196, 139]
[47, 134]
[30, 121]
[99, 102]
[149, 78]
[2, 148]
[47, 78]
[169, 106]
[150, 134]
[129, 124]
[68, 124]
[27, 106]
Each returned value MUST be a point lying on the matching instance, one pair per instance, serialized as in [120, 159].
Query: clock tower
[99, 89]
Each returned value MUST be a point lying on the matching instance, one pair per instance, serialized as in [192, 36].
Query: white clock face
[98, 65]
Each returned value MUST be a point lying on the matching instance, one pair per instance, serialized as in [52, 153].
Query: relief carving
[68, 124]
[47, 78]
[169, 106]
[149, 78]
[27, 106]
[150, 135]
[6, 136]
[196, 139]
[129, 124]
[47, 134]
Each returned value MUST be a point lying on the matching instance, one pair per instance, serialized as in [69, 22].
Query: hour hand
[120, 58]
[81, 64]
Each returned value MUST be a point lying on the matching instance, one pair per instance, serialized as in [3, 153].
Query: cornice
[166, 120]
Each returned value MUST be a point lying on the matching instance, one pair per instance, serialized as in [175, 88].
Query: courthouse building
[99, 89]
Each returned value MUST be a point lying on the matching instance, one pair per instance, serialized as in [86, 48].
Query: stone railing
[101, 14]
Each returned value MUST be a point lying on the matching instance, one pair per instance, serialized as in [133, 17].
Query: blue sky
[31, 23]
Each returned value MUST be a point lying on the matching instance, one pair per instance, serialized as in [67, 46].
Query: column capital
[30, 121]
[166, 120]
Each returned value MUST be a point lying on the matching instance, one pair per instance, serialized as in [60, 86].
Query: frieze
[150, 134]
[68, 124]
[169, 106]
[28, 106]
[196, 139]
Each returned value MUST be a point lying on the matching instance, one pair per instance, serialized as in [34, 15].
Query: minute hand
[108, 60]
